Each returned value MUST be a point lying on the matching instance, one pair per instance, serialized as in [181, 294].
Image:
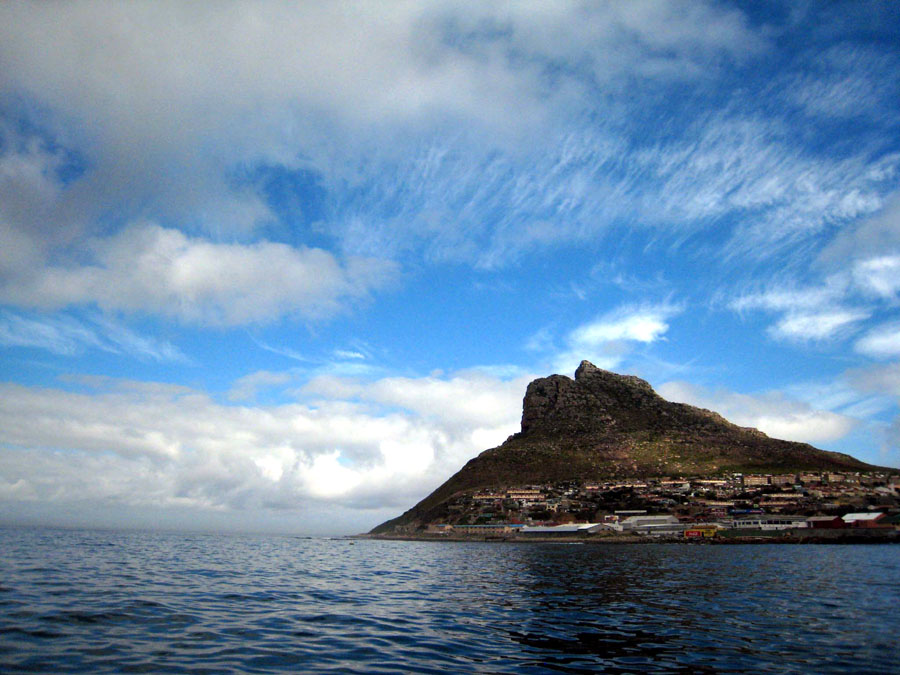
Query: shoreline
[832, 538]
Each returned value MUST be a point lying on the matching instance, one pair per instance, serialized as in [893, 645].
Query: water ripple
[81, 601]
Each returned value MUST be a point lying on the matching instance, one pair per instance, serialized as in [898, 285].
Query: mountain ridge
[605, 425]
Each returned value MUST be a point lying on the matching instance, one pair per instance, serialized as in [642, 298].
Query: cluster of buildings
[681, 506]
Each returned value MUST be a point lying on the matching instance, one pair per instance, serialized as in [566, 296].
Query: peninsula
[602, 440]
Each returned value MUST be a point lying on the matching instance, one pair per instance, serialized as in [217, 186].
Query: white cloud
[373, 61]
[874, 237]
[606, 341]
[144, 445]
[583, 181]
[60, 335]
[859, 283]
[469, 399]
[286, 352]
[772, 413]
[753, 166]
[879, 276]
[785, 297]
[161, 100]
[67, 336]
[816, 325]
[838, 97]
[348, 354]
[880, 342]
[863, 265]
[838, 83]
[808, 313]
[417, 120]
[155, 270]
[640, 326]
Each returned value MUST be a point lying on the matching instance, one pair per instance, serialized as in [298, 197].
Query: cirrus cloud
[67, 336]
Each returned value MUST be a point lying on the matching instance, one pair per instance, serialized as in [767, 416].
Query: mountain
[603, 425]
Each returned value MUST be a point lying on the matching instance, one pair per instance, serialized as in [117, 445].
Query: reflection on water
[81, 601]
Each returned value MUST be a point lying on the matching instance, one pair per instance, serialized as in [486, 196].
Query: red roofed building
[864, 520]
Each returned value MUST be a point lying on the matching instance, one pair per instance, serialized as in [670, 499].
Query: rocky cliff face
[596, 401]
[599, 403]
[604, 425]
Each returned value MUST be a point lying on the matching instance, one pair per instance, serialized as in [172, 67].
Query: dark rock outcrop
[604, 425]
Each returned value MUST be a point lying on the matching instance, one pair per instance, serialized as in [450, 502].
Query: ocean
[118, 602]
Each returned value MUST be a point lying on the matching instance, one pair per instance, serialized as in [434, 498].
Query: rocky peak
[590, 375]
[586, 369]
[595, 399]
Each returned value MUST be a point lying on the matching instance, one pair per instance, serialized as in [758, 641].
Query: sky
[286, 267]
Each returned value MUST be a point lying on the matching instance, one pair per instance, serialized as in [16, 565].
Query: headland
[603, 458]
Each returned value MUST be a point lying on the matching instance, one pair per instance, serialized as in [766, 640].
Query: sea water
[96, 601]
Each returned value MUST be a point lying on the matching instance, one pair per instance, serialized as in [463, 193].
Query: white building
[573, 529]
[769, 523]
[644, 524]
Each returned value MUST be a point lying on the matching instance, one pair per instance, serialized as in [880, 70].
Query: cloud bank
[772, 413]
[166, 446]
[154, 270]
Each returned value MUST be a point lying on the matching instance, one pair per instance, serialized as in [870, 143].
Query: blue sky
[288, 266]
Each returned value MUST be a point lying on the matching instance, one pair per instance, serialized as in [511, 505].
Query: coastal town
[821, 505]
